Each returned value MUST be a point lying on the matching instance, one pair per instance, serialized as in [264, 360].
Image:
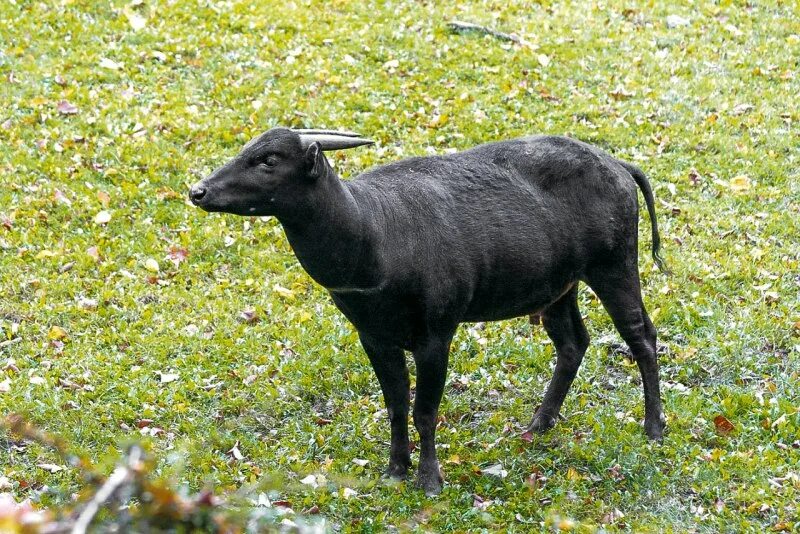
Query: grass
[115, 107]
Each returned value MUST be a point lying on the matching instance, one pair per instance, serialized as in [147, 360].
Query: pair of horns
[331, 139]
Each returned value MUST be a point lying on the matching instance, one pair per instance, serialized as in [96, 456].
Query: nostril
[197, 193]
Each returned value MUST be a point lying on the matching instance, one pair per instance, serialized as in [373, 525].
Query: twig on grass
[460, 26]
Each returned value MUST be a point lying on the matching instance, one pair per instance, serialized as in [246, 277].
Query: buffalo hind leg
[389, 364]
[563, 323]
[617, 286]
[431, 359]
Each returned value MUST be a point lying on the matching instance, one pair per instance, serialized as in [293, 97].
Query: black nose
[197, 193]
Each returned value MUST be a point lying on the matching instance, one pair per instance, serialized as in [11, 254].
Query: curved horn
[304, 131]
[330, 140]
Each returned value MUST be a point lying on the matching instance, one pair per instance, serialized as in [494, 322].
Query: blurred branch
[121, 476]
[158, 505]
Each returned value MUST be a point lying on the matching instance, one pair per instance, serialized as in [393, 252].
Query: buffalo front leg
[431, 360]
[390, 367]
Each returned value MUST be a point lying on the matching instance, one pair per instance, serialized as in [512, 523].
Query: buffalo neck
[330, 239]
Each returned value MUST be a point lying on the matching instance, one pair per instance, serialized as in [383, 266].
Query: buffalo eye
[269, 163]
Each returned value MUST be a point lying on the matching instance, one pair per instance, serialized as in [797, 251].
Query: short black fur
[410, 250]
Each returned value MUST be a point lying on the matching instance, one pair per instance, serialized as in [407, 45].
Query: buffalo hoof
[654, 428]
[397, 472]
[430, 481]
[541, 423]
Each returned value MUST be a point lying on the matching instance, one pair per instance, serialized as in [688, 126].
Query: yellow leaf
[283, 292]
[151, 265]
[566, 524]
[56, 332]
[453, 460]
[740, 183]
[45, 254]
[572, 474]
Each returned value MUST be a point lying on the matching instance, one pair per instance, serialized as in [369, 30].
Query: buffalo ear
[315, 160]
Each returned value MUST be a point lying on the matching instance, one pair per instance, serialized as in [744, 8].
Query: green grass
[709, 110]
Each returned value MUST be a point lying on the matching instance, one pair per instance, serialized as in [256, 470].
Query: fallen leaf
[543, 60]
[310, 480]
[620, 93]
[676, 21]
[102, 217]
[723, 425]
[235, 452]
[93, 253]
[740, 183]
[566, 524]
[177, 255]
[360, 462]
[56, 332]
[151, 265]
[495, 470]
[61, 197]
[66, 108]
[480, 503]
[741, 109]
[5, 385]
[37, 380]
[612, 517]
[166, 378]
[283, 292]
[136, 20]
[104, 198]
[719, 505]
[348, 493]
[249, 316]
[109, 64]
[53, 468]
[454, 459]
[616, 472]
[535, 480]
[249, 379]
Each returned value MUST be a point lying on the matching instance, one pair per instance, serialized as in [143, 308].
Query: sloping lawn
[126, 314]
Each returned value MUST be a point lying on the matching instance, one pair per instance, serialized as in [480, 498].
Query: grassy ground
[121, 307]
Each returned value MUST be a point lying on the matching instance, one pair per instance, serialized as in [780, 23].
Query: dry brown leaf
[723, 425]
